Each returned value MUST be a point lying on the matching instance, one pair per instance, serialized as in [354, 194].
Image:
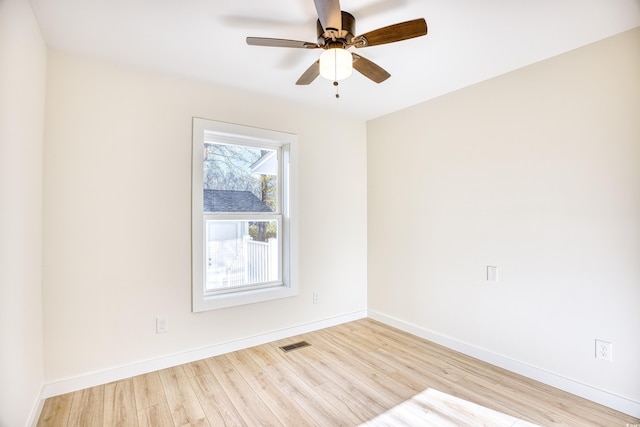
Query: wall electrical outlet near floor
[604, 350]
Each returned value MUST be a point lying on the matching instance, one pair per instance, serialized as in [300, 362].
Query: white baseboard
[593, 394]
[118, 373]
[34, 416]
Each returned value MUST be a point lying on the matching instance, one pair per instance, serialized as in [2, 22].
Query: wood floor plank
[429, 364]
[420, 373]
[120, 404]
[363, 363]
[384, 385]
[304, 395]
[199, 367]
[301, 362]
[354, 387]
[245, 365]
[148, 390]
[215, 403]
[183, 402]
[87, 407]
[480, 391]
[285, 409]
[252, 409]
[265, 355]
[351, 411]
[55, 411]
[343, 351]
[392, 338]
[155, 416]
[395, 340]
[359, 373]
[350, 335]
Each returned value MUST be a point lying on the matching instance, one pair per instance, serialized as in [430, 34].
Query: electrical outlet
[604, 350]
[162, 325]
[316, 297]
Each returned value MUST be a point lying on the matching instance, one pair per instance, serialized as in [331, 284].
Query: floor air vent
[294, 346]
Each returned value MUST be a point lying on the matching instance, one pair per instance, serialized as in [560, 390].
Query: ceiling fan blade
[369, 69]
[310, 75]
[329, 14]
[392, 33]
[264, 41]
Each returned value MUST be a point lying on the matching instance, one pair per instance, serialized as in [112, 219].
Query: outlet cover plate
[492, 273]
[604, 350]
[162, 325]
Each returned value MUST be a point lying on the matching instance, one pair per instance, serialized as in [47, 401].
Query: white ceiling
[468, 41]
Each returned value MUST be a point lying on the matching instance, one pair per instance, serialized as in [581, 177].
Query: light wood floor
[362, 372]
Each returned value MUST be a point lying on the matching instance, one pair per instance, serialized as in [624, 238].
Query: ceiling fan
[336, 29]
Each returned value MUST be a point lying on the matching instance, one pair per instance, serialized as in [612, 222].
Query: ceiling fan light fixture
[336, 64]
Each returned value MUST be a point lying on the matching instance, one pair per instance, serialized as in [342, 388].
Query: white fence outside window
[251, 262]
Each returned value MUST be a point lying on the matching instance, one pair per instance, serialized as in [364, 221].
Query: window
[242, 227]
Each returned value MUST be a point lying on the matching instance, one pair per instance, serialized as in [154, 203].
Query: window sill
[205, 303]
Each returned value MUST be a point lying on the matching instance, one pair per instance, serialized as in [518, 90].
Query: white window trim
[202, 129]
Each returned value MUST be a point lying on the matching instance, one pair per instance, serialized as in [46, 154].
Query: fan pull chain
[335, 72]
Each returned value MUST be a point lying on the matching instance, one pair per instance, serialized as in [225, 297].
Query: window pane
[239, 178]
[241, 253]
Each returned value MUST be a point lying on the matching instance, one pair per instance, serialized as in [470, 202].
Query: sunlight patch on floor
[434, 408]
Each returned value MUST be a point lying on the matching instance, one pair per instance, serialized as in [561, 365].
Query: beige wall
[117, 203]
[22, 91]
[538, 173]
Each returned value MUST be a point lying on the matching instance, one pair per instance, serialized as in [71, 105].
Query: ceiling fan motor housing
[344, 35]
